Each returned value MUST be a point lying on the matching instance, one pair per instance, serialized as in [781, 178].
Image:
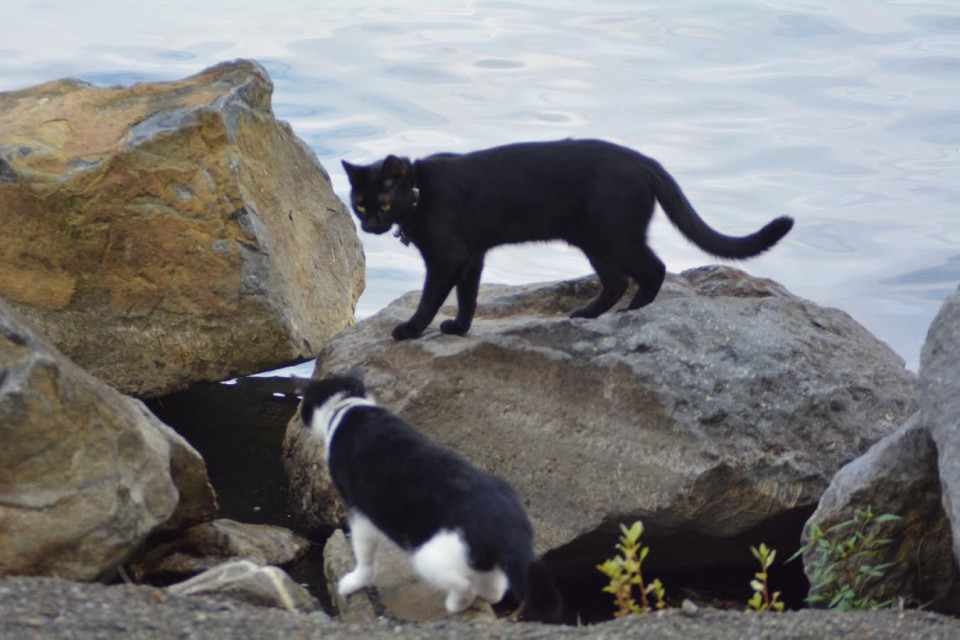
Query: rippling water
[845, 115]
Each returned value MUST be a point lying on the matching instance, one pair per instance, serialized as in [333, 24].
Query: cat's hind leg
[442, 561]
[649, 272]
[364, 539]
[491, 585]
[614, 283]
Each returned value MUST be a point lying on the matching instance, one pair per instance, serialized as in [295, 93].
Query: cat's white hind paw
[354, 581]
[491, 585]
[458, 601]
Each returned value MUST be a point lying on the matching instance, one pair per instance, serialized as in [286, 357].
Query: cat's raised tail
[683, 215]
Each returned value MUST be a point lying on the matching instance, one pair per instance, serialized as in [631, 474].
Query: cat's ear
[394, 168]
[354, 173]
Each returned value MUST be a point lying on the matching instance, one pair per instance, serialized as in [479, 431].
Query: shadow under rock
[238, 429]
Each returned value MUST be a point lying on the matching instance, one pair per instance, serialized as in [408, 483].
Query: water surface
[845, 116]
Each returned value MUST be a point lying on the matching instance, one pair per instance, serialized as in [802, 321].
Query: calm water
[845, 115]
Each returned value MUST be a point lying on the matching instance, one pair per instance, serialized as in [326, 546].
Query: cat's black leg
[649, 272]
[614, 283]
[439, 283]
[467, 289]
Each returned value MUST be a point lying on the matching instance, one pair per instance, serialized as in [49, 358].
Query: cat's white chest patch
[327, 418]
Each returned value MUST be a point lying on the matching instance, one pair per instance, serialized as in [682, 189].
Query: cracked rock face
[726, 405]
[85, 472]
[167, 233]
[940, 405]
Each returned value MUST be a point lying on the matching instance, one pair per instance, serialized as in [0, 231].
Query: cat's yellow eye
[361, 208]
[385, 206]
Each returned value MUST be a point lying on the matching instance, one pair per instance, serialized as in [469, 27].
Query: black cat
[595, 195]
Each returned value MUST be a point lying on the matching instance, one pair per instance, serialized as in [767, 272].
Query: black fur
[410, 488]
[595, 195]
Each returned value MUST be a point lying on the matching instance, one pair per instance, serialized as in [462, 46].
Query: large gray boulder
[85, 472]
[171, 232]
[939, 394]
[726, 405]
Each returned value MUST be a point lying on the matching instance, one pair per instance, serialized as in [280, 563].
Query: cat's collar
[415, 204]
[414, 189]
[415, 192]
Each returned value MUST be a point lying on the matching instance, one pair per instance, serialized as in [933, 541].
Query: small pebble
[689, 608]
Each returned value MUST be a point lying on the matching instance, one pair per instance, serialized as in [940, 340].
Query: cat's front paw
[406, 331]
[353, 581]
[454, 328]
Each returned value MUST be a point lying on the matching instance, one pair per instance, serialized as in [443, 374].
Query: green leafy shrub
[625, 572]
[852, 541]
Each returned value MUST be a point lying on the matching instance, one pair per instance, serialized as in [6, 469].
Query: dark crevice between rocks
[709, 571]
[238, 429]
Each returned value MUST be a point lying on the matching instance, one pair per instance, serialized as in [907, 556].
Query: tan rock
[208, 544]
[85, 472]
[171, 232]
[249, 582]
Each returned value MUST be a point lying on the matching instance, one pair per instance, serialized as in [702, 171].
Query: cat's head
[382, 193]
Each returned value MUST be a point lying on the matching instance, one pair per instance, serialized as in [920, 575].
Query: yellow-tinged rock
[167, 233]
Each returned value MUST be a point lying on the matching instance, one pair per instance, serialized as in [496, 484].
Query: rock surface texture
[898, 475]
[167, 233]
[249, 582]
[725, 405]
[939, 392]
[209, 544]
[913, 473]
[85, 472]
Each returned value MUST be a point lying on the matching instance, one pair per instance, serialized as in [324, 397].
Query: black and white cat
[595, 195]
[465, 530]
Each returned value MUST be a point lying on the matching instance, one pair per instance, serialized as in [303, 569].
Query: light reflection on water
[844, 116]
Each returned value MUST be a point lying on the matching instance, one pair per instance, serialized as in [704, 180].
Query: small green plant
[851, 541]
[762, 599]
[625, 572]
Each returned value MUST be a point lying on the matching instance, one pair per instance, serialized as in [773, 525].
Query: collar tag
[403, 237]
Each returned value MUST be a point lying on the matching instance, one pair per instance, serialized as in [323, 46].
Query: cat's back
[557, 157]
[412, 486]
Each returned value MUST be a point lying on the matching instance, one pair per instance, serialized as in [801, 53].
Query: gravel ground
[49, 608]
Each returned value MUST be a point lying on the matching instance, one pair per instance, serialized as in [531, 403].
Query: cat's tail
[682, 214]
[536, 588]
